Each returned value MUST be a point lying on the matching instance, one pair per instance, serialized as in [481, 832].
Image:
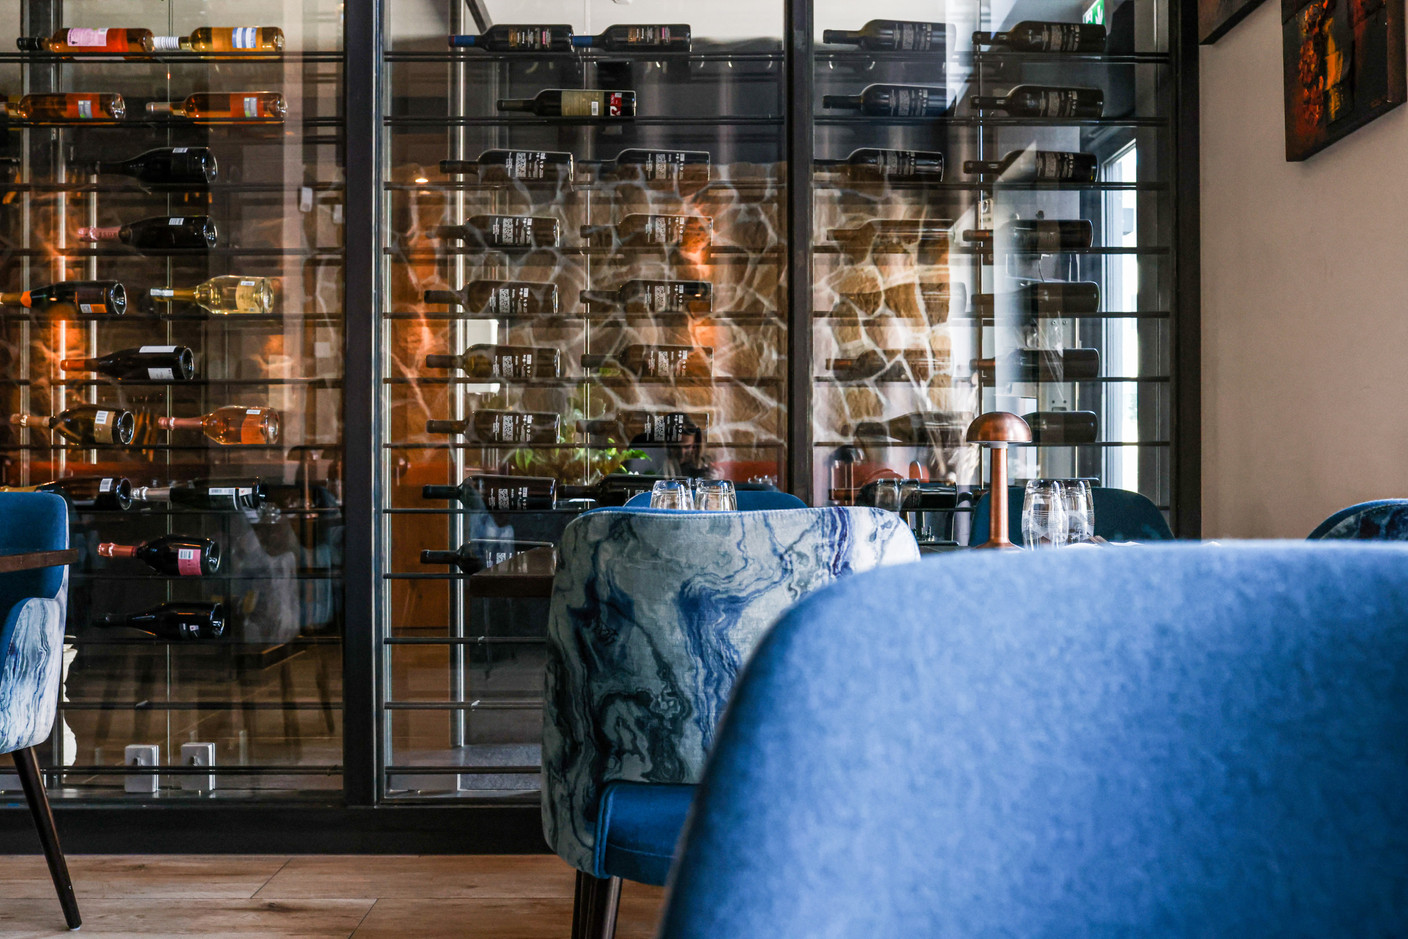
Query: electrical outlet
[198, 754]
[146, 755]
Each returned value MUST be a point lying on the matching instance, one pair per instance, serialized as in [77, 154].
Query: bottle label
[513, 365]
[1045, 238]
[916, 37]
[244, 37]
[664, 230]
[512, 428]
[105, 485]
[188, 562]
[581, 103]
[505, 498]
[528, 38]
[85, 108]
[251, 105]
[661, 363]
[897, 163]
[526, 164]
[508, 300]
[663, 165]
[910, 102]
[159, 348]
[664, 428]
[175, 222]
[180, 149]
[161, 374]
[1057, 103]
[103, 426]
[511, 231]
[1055, 164]
[87, 38]
[647, 35]
[1060, 37]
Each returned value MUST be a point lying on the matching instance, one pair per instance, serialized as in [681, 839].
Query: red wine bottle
[893, 101]
[1047, 298]
[527, 165]
[1045, 101]
[653, 38]
[88, 425]
[143, 363]
[85, 297]
[890, 36]
[158, 235]
[165, 167]
[510, 427]
[205, 496]
[659, 166]
[877, 163]
[689, 232]
[505, 231]
[1040, 235]
[469, 558]
[506, 38]
[919, 365]
[1050, 166]
[86, 492]
[599, 105]
[1047, 365]
[174, 622]
[173, 555]
[1040, 36]
[893, 231]
[657, 361]
[501, 297]
[655, 296]
[492, 362]
[646, 427]
[500, 493]
[919, 428]
[1063, 427]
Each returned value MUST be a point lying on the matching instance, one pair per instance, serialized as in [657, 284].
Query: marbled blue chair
[1120, 515]
[653, 612]
[1183, 740]
[1381, 520]
[33, 603]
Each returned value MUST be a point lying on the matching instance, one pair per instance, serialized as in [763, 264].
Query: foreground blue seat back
[749, 500]
[652, 615]
[1120, 515]
[1380, 520]
[1181, 740]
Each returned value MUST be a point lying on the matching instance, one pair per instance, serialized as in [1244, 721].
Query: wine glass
[1044, 515]
[671, 494]
[1080, 510]
[715, 495]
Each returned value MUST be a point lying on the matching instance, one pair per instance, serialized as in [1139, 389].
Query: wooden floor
[309, 897]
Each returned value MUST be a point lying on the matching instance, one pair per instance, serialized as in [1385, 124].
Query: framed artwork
[1344, 66]
[1216, 17]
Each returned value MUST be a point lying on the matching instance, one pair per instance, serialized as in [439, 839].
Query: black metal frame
[1187, 424]
[798, 27]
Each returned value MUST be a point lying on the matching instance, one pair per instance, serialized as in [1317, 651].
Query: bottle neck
[444, 361]
[600, 296]
[843, 36]
[160, 494]
[173, 293]
[515, 104]
[442, 296]
[78, 365]
[852, 102]
[180, 423]
[96, 233]
[109, 550]
[15, 299]
[446, 427]
[165, 109]
[979, 236]
[169, 43]
[981, 166]
[983, 102]
[439, 492]
[584, 42]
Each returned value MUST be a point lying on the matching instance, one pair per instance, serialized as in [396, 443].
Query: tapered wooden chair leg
[28, 768]
[603, 899]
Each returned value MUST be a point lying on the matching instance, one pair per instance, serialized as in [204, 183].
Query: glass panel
[216, 205]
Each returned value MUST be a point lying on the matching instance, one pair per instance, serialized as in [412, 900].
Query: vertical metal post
[797, 47]
[1187, 429]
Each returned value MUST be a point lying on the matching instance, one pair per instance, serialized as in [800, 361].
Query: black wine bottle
[919, 365]
[86, 492]
[918, 428]
[174, 622]
[1052, 166]
[501, 297]
[470, 558]
[165, 167]
[502, 165]
[893, 101]
[655, 296]
[890, 36]
[877, 163]
[83, 297]
[1047, 298]
[1063, 427]
[900, 231]
[143, 363]
[173, 555]
[647, 427]
[157, 235]
[688, 232]
[1042, 235]
[657, 361]
[88, 425]
[621, 38]
[205, 495]
[1041, 365]
[1045, 101]
[500, 493]
[505, 231]
[600, 105]
[511, 427]
[1041, 36]
[492, 362]
[659, 166]
[506, 38]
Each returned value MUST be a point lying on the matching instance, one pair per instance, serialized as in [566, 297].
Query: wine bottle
[86, 297]
[505, 38]
[501, 297]
[1039, 166]
[891, 365]
[602, 105]
[891, 36]
[918, 428]
[205, 495]
[500, 493]
[240, 106]
[226, 295]
[657, 361]
[877, 163]
[142, 363]
[75, 41]
[1041, 36]
[173, 555]
[900, 231]
[157, 235]
[659, 166]
[657, 231]
[224, 39]
[655, 296]
[174, 622]
[89, 425]
[506, 231]
[503, 426]
[490, 362]
[165, 167]
[1041, 235]
[231, 425]
[512, 164]
[86, 492]
[1045, 101]
[1045, 298]
[469, 559]
[63, 107]
[612, 488]
[647, 427]
[893, 101]
[1063, 427]
[674, 38]
[1041, 365]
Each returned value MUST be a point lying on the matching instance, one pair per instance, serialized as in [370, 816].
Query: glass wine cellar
[317, 313]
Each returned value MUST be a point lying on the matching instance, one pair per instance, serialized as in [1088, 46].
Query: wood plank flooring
[309, 897]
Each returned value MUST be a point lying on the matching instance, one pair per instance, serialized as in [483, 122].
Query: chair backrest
[1186, 740]
[30, 521]
[652, 614]
[32, 606]
[1381, 520]
[1120, 515]
[749, 500]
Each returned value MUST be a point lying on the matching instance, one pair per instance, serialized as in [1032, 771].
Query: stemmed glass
[715, 495]
[671, 494]
[1044, 514]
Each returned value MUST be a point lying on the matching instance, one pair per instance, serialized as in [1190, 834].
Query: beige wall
[1305, 303]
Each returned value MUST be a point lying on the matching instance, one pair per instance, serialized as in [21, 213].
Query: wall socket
[142, 754]
[198, 754]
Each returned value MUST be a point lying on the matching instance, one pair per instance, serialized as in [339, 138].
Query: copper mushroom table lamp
[997, 429]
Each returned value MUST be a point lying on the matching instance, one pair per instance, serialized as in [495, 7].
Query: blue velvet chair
[33, 603]
[1120, 515]
[749, 500]
[652, 614]
[1381, 520]
[1183, 740]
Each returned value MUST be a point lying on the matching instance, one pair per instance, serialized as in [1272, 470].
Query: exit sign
[1094, 14]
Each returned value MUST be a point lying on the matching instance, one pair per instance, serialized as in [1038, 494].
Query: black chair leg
[595, 903]
[28, 768]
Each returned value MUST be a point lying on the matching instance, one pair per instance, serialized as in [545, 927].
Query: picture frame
[1216, 17]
